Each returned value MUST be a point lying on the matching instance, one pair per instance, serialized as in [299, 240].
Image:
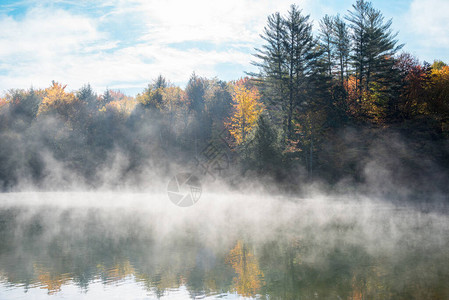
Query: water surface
[141, 246]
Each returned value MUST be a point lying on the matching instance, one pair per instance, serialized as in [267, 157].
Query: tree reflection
[249, 276]
[36, 252]
[47, 279]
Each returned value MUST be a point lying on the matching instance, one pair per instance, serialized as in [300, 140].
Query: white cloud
[37, 47]
[216, 21]
[425, 27]
[430, 19]
[51, 43]
[43, 30]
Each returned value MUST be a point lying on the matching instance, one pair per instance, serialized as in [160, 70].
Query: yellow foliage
[58, 100]
[369, 103]
[249, 276]
[246, 111]
[172, 97]
[440, 80]
[50, 280]
[3, 101]
[123, 106]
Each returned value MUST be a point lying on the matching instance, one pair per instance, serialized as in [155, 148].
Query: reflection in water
[46, 279]
[313, 253]
[245, 265]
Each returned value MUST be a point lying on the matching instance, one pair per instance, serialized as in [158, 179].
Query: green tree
[106, 97]
[87, 95]
[271, 61]
[327, 41]
[265, 146]
[342, 46]
[374, 44]
[299, 47]
[201, 126]
[195, 91]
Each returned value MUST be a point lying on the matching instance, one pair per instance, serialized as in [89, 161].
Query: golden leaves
[246, 110]
[57, 99]
[249, 277]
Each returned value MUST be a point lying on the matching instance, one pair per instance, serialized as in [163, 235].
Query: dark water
[132, 246]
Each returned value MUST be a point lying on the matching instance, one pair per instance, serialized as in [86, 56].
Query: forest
[338, 105]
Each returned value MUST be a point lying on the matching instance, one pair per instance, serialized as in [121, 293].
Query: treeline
[342, 105]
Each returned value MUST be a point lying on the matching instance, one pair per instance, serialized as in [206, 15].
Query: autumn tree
[246, 110]
[248, 279]
[438, 91]
[151, 98]
[60, 102]
[438, 64]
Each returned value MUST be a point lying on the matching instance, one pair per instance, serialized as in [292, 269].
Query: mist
[322, 175]
[88, 202]
[343, 239]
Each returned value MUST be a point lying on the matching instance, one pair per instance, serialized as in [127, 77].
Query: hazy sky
[123, 44]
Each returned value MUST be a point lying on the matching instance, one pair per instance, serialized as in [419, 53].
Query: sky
[125, 44]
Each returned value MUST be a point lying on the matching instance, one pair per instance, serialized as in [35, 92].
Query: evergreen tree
[201, 126]
[272, 60]
[265, 146]
[374, 44]
[342, 44]
[299, 48]
[87, 95]
[327, 41]
[106, 97]
[160, 82]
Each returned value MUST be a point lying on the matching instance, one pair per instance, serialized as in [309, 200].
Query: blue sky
[124, 44]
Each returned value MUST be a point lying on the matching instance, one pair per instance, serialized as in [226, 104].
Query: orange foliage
[364, 104]
[414, 95]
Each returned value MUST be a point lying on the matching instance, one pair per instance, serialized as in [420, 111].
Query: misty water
[227, 245]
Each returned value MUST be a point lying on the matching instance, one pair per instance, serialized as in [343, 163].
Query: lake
[228, 245]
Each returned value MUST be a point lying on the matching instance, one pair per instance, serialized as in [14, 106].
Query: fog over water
[324, 175]
[228, 244]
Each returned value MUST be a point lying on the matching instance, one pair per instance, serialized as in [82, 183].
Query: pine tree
[106, 97]
[342, 44]
[286, 62]
[327, 41]
[87, 95]
[299, 48]
[265, 146]
[374, 44]
[272, 60]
